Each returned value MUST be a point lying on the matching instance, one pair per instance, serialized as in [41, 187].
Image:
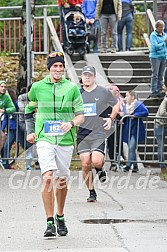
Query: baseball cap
[89, 69]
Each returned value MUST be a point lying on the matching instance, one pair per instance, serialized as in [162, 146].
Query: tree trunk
[22, 71]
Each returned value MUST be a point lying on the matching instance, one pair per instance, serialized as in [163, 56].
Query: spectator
[161, 132]
[89, 10]
[111, 141]
[6, 106]
[10, 122]
[28, 147]
[133, 128]
[60, 110]
[95, 129]
[162, 12]
[109, 12]
[165, 78]
[126, 21]
[64, 7]
[158, 56]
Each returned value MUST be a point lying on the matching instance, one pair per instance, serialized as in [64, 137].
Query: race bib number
[52, 128]
[90, 109]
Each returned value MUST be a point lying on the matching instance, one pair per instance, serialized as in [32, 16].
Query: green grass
[75, 165]
[164, 175]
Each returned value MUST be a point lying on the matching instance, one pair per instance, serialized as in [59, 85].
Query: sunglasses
[54, 54]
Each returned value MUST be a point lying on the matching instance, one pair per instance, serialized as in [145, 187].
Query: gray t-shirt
[96, 107]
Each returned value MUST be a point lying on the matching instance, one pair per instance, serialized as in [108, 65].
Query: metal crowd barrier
[147, 150]
[22, 154]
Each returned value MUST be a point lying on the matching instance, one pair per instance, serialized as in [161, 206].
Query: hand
[87, 20]
[2, 111]
[91, 21]
[31, 138]
[107, 124]
[66, 126]
[66, 5]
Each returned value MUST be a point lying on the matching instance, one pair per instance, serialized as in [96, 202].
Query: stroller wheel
[69, 51]
[82, 51]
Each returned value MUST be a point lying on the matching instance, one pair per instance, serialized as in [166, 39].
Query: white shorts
[54, 158]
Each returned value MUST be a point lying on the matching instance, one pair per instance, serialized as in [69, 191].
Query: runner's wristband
[111, 118]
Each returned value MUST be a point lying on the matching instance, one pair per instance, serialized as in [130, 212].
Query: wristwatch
[72, 123]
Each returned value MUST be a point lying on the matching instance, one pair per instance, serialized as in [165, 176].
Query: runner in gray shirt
[96, 127]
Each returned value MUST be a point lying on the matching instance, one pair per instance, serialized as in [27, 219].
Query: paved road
[139, 201]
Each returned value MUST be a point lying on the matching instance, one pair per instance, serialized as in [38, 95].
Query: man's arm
[9, 105]
[30, 115]
[76, 121]
[109, 121]
[115, 110]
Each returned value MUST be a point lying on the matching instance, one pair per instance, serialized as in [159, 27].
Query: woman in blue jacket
[133, 131]
[158, 56]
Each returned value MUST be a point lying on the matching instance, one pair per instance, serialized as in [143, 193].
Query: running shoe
[92, 197]
[50, 230]
[61, 226]
[102, 174]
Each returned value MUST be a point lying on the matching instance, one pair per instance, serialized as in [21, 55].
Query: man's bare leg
[48, 194]
[88, 175]
[61, 193]
[48, 201]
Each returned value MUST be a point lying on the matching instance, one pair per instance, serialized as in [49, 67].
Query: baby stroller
[76, 31]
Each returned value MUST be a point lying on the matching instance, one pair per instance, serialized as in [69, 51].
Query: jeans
[132, 144]
[95, 45]
[76, 31]
[126, 21]
[106, 21]
[160, 132]
[10, 139]
[158, 68]
[63, 31]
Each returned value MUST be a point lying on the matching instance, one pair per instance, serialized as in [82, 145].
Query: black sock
[51, 219]
[60, 217]
[93, 190]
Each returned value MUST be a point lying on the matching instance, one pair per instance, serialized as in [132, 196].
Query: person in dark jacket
[126, 21]
[160, 131]
[93, 25]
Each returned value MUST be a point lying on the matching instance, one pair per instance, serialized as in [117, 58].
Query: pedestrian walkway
[134, 205]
